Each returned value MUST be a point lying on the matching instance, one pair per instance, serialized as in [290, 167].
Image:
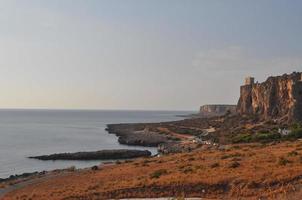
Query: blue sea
[25, 133]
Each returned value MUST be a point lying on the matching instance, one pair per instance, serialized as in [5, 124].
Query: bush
[245, 138]
[294, 134]
[234, 165]
[191, 159]
[266, 137]
[214, 165]
[226, 156]
[295, 126]
[158, 173]
[94, 168]
[258, 137]
[128, 161]
[292, 153]
[283, 161]
[72, 168]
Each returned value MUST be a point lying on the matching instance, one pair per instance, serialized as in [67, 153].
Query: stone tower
[249, 80]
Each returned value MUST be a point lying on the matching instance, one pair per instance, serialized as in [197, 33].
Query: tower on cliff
[249, 80]
[279, 97]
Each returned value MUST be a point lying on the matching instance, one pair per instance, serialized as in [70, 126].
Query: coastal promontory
[96, 155]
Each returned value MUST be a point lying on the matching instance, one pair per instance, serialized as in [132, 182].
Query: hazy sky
[142, 54]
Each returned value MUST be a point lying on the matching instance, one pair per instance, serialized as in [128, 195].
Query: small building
[249, 80]
[284, 132]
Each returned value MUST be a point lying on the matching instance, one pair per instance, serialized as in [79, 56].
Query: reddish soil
[249, 171]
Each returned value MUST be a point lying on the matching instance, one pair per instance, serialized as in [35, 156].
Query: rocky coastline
[137, 134]
[96, 155]
[224, 145]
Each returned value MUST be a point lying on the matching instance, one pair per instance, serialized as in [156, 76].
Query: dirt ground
[249, 171]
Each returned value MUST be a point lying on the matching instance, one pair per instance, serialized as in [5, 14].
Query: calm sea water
[26, 133]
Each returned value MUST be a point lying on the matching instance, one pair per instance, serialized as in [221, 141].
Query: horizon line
[95, 109]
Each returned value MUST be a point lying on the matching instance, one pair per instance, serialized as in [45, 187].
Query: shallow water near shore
[25, 133]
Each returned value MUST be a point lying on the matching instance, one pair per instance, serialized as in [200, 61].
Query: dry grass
[248, 171]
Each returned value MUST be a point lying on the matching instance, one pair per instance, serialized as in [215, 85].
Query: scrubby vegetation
[295, 132]
[258, 137]
[158, 173]
[283, 161]
[243, 171]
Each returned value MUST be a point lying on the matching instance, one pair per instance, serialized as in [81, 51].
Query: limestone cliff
[278, 97]
[216, 110]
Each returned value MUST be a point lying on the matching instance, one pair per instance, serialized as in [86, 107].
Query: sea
[25, 133]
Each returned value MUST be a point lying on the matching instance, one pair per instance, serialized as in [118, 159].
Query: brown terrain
[249, 171]
[255, 153]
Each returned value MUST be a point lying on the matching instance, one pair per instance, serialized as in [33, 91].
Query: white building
[284, 131]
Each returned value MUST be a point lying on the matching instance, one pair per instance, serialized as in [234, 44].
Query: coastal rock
[96, 155]
[175, 147]
[142, 139]
[278, 97]
[216, 110]
[136, 134]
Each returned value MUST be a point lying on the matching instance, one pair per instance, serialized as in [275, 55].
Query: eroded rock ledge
[137, 134]
[96, 155]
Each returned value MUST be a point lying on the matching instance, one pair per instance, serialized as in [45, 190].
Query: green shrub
[283, 161]
[258, 137]
[293, 153]
[266, 137]
[234, 164]
[226, 156]
[295, 126]
[242, 138]
[158, 173]
[294, 134]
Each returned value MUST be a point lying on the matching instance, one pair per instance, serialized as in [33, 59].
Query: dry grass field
[249, 171]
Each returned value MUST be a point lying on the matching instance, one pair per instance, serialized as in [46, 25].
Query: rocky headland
[140, 134]
[96, 155]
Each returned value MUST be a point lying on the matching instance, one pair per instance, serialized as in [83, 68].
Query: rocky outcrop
[96, 155]
[176, 147]
[216, 110]
[136, 134]
[278, 97]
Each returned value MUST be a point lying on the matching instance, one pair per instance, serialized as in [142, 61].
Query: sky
[142, 54]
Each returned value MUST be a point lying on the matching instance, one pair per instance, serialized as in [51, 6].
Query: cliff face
[216, 110]
[277, 97]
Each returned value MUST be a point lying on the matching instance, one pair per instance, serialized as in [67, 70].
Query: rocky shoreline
[96, 155]
[137, 135]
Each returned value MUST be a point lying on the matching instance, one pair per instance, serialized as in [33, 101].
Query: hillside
[252, 171]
